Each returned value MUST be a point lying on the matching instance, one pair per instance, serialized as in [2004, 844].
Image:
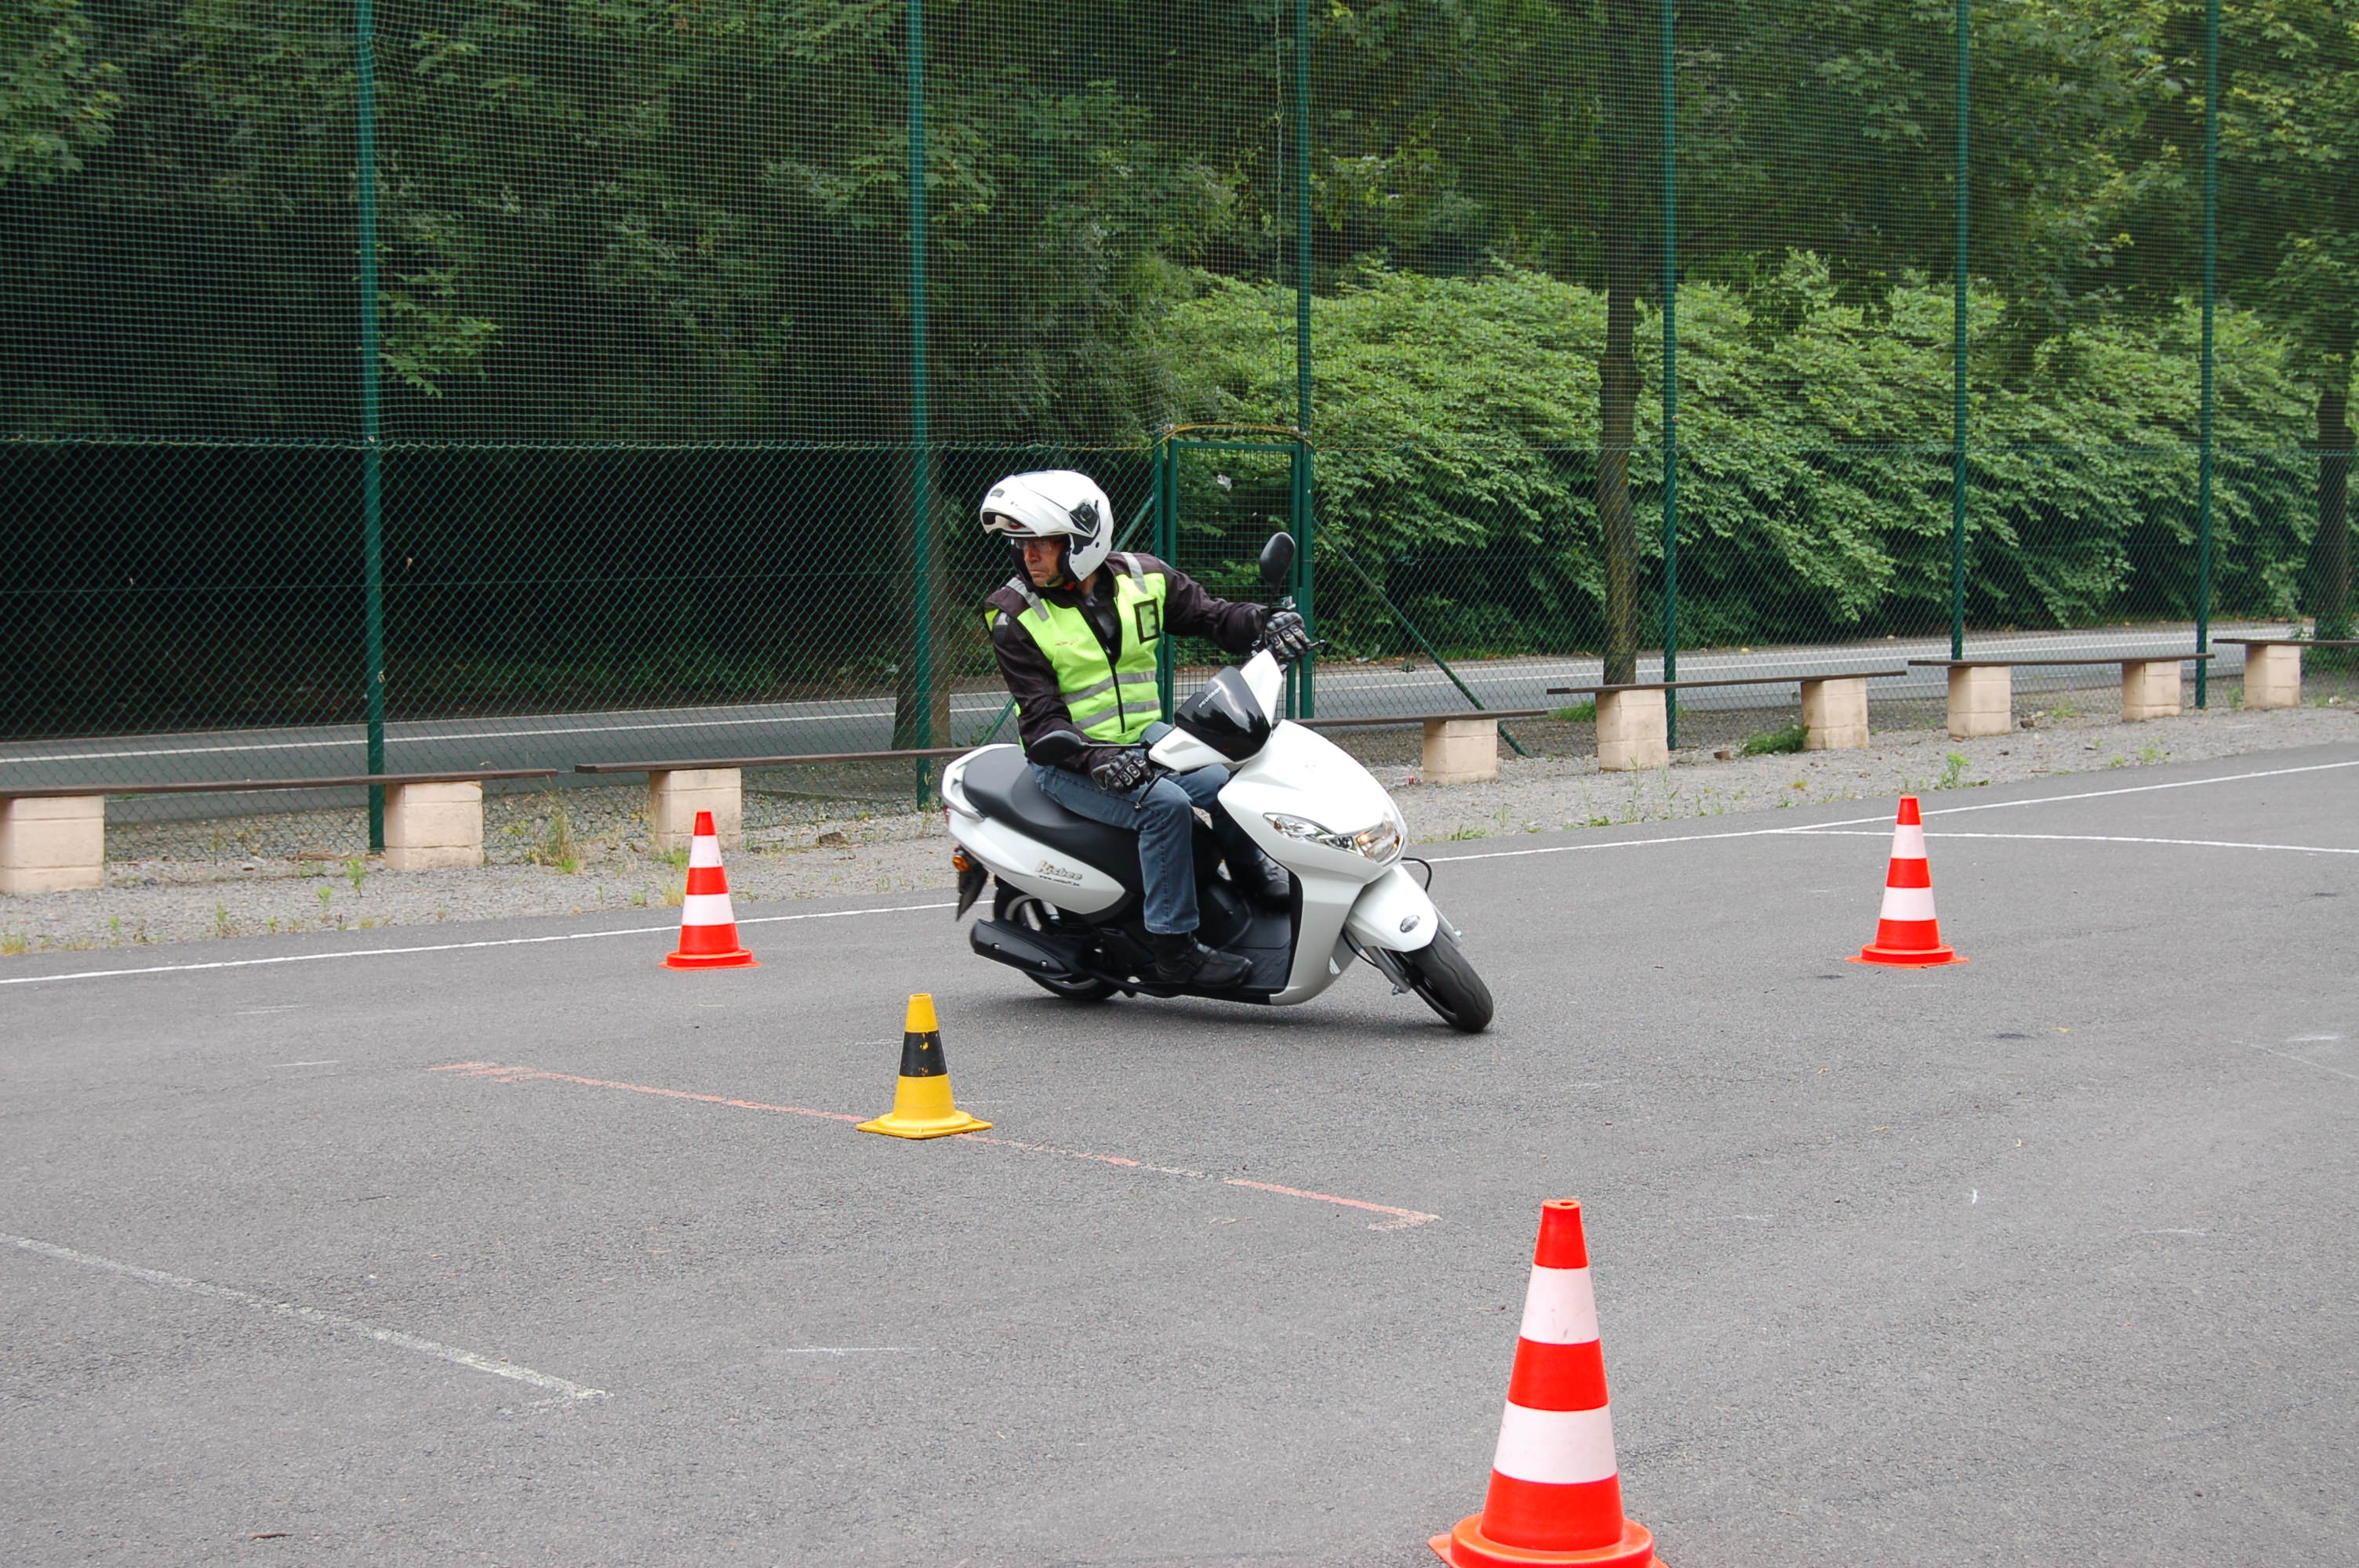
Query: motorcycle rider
[1077, 633]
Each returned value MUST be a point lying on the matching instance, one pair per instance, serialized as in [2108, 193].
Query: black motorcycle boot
[1261, 879]
[1181, 960]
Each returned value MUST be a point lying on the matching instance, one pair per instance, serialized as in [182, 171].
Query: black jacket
[1187, 612]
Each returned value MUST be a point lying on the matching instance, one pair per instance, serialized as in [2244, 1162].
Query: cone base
[1906, 958]
[922, 1127]
[1468, 1547]
[737, 959]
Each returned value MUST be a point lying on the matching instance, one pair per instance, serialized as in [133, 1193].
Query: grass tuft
[1774, 741]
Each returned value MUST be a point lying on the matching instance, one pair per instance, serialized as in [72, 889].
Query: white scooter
[1069, 893]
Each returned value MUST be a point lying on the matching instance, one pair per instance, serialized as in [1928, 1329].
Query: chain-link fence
[388, 384]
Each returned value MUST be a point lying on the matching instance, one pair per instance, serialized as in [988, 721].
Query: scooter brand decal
[1049, 870]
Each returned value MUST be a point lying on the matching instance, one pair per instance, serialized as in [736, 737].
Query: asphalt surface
[2047, 1258]
[787, 729]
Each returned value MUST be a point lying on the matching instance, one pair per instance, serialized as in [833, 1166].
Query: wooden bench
[2273, 666]
[678, 790]
[53, 837]
[1461, 746]
[1633, 723]
[1982, 691]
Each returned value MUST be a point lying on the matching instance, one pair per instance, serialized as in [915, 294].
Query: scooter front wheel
[1439, 973]
[1033, 913]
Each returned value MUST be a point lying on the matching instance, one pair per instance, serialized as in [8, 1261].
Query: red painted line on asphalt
[507, 1073]
[1403, 1218]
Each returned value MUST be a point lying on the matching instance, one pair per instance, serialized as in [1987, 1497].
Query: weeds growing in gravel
[556, 847]
[355, 871]
[1579, 713]
[327, 897]
[222, 924]
[1789, 739]
[14, 943]
[1955, 776]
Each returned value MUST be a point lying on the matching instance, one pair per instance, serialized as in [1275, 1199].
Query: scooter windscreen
[1226, 715]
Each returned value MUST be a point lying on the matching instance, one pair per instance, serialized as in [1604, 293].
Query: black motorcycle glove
[1121, 773]
[1285, 637]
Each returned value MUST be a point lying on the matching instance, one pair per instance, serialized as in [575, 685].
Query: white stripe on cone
[1559, 1307]
[704, 849]
[1556, 1448]
[706, 909]
[1908, 840]
[1908, 903]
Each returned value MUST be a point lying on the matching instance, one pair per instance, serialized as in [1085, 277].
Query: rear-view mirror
[1277, 560]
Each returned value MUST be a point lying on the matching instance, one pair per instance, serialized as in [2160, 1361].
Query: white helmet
[1050, 503]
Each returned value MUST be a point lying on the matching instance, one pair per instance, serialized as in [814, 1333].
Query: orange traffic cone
[708, 926]
[1906, 933]
[1555, 1496]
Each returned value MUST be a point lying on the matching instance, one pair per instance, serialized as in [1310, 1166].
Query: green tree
[55, 98]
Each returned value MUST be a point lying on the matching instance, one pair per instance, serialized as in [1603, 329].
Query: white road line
[2308, 1062]
[1805, 829]
[1626, 844]
[447, 947]
[1802, 830]
[2098, 838]
[2140, 789]
[466, 735]
[313, 1315]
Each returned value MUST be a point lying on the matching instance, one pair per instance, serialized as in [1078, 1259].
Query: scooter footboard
[1394, 913]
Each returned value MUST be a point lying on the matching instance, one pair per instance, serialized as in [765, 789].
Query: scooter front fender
[1392, 912]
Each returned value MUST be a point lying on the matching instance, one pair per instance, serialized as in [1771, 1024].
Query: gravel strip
[581, 850]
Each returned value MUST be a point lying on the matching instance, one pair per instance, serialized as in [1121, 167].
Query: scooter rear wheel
[1439, 973]
[1033, 913]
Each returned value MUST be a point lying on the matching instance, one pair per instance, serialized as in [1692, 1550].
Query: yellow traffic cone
[922, 1107]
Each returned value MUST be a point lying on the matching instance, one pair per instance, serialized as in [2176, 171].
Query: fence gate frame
[1170, 443]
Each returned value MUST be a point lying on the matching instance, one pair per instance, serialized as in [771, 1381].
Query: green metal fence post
[1301, 689]
[922, 651]
[1167, 545]
[2211, 287]
[1670, 388]
[1957, 370]
[371, 476]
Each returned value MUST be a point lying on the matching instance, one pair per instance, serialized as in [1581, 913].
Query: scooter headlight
[1380, 843]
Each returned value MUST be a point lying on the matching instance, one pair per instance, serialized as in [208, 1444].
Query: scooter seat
[999, 783]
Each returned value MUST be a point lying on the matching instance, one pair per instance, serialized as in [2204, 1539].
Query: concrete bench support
[55, 845]
[429, 827]
[2272, 677]
[2149, 688]
[675, 798]
[1631, 731]
[1460, 751]
[1835, 714]
[1982, 701]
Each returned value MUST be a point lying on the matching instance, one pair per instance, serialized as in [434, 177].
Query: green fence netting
[386, 382]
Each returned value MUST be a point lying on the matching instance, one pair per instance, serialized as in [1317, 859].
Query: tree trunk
[2330, 551]
[1620, 116]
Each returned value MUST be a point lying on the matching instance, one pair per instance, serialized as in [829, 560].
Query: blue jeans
[1163, 815]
